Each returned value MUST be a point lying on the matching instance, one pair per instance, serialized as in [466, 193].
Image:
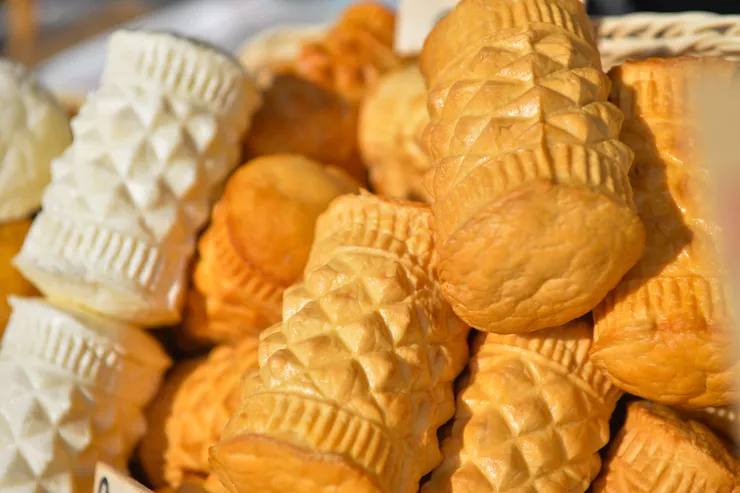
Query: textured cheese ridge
[74, 388]
[34, 129]
[527, 158]
[185, 67]
[363, 363]
[239, 297]
[532, 417]
[669, 311]
[115, 358]
[658, 452]
[152, 146]
[207, 400]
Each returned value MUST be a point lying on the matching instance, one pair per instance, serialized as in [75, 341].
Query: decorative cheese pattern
[355, 382]
[658, 452]
[531, 418]
[190, 412]
[74, 388]
[534, 216]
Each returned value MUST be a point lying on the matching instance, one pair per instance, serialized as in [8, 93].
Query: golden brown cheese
[533, 210]
[257, 244]
[531, 417]
[664, 333]
[658, 452]
[356, 380]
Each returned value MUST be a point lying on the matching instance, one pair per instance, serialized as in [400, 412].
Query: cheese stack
[312, 103]
[532, 417]
[152, 147]
[73, 392]
[355, 382]
[534, 215]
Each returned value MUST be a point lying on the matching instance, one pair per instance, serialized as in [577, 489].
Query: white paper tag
[415, 20]
[109, 480]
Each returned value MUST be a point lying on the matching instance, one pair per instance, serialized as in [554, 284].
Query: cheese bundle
[152, 146]
[534, 216]
[355, 382]
[73, 391]
[34, 129]
[532, 417]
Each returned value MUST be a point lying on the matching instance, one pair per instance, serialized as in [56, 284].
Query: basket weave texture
[644, 35]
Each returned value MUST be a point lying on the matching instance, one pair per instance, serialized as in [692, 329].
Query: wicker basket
[637, 36]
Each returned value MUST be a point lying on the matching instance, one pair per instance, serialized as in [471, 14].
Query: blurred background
[64, 39]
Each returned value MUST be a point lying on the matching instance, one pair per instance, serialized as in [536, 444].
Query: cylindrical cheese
[665, 333]
[657, 451]
[532, 416]
[73, 390]
[152, 146]
[190, 411]
[357, 379]
[533, 210]
[392, 120]
[257, 245]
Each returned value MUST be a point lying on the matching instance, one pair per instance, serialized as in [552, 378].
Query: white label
[416, 18]
[109, 480]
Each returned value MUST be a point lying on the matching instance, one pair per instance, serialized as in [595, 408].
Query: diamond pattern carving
[532, 418]
[367, 342]
[53, 431]
[520, 128]
[151, 148]
[34, 129]
[73, 392]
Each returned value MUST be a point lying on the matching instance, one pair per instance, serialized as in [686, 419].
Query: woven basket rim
[645, 34]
